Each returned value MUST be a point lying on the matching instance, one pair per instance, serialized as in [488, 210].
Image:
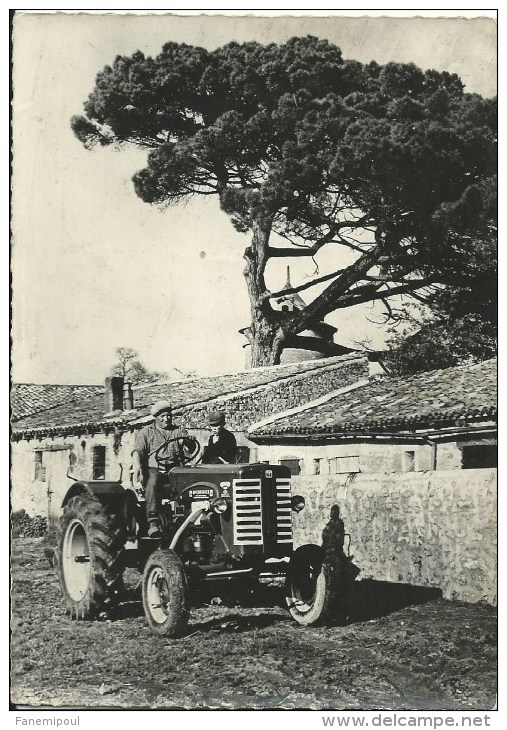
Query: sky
[93, 266]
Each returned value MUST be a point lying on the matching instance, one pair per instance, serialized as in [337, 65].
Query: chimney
[114, 393]
[128, 397]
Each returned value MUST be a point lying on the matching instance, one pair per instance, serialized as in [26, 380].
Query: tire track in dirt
[436, 655]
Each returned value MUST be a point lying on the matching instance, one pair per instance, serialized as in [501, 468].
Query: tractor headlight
[297, 503]
[219, 505]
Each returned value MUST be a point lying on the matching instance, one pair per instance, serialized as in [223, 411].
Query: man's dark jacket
[223, 450]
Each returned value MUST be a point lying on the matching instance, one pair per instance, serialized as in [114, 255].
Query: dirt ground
[402, 649]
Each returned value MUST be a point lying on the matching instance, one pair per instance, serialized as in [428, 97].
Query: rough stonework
[454, 396]
[434, 528]
[246, 408]
[61, 446]
[91, 414]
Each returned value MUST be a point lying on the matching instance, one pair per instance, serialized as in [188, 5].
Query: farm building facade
[444, 419]
[411, 464]
[410, 461]
[90, 435]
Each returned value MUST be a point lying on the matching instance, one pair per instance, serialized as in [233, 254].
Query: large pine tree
[305, 150]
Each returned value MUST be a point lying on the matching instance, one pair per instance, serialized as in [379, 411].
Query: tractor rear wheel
[165, 594]
[90, 557]
[308, 586]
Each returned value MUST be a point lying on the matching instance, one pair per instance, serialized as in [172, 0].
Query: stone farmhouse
[445, 419]
[410, 462]
[88, 431]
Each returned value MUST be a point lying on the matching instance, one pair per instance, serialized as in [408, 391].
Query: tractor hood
[218, 475]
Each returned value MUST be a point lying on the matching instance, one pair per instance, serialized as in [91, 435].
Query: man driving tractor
[157, 449]
[225, 520]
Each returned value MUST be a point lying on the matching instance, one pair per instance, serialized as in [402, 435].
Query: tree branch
[326, 302]
[301, 287]
[291, 252]
[370, 292]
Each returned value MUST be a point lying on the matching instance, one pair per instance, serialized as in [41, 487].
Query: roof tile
[89, 410]
[466, 391]
[30, 398]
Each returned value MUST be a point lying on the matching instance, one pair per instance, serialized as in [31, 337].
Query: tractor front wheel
[308, 586]
[90, 557]
[165, 594]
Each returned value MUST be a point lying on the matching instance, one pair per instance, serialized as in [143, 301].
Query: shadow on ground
[223, 596]
[368, 600]
[238, 623]
[372, 599]
[365, 600]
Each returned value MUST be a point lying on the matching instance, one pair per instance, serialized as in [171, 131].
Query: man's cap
[160, 406]
[216, 418]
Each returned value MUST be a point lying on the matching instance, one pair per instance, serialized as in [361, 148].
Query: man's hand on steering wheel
[188, 449]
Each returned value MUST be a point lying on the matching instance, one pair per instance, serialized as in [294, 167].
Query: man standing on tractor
[221, 448]
[157, 449]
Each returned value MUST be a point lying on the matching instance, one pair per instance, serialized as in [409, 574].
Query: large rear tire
[308, 586]
[90, 557]
[165, 594]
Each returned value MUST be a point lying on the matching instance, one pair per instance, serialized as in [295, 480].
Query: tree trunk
[265, 333]
[266, 344]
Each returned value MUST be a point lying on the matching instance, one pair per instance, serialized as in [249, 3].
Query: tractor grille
[249, 526]
[283, 511]
[247, 508]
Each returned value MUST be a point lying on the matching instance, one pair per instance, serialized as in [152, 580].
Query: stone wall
[250, 406]
[62, 454]
[370, 456]
[434, 528]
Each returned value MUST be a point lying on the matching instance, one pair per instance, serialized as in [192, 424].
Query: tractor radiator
[257, 511]
[283, 511]
[247, 511]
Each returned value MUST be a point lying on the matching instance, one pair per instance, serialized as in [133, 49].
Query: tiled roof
[90, 409]
[388, 404]
[30, 398]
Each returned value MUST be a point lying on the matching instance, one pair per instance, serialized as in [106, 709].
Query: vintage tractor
[224, 521]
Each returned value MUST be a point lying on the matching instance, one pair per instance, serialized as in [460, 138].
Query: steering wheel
[188, 449]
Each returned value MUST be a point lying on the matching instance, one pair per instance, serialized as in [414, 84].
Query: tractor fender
[104, 491]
